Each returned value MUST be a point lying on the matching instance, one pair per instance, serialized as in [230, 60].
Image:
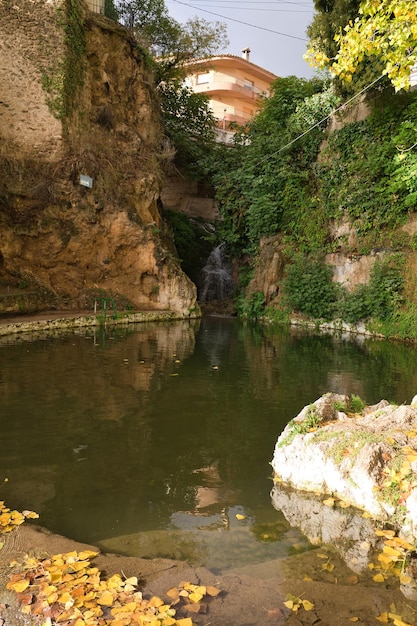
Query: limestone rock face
[269, 269]
[68, 241]
[368, 460]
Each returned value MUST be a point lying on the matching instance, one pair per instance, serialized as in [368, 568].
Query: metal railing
[97, 6]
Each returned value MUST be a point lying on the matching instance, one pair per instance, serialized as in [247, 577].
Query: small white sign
[86, 181]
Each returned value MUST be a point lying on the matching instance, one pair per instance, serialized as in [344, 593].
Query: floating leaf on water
[289, 604]
[353, 580]
[328, 567]
[383, 618]
[344, 505]
[173, 593]
[393, 552]
[378, 578]
[192, 608]
[213, 591]
[195, 597]
[30, 514]
[87, 554]
[239, 516]
[397, 619]
[308, 606]
[405, 579]
[385, 533]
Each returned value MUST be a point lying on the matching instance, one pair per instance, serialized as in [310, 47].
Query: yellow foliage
[67, 585]
[387, 30]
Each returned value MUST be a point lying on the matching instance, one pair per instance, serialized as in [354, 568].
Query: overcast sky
[274, 30]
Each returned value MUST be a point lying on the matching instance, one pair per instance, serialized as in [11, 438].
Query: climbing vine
[63, 79]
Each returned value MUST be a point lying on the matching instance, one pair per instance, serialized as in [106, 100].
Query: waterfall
[217, 282]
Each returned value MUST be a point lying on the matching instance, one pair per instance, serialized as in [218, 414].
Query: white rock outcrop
[367, 459]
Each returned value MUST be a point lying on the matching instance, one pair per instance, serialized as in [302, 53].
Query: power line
[239, 8]
[290, 143]
[232, 19]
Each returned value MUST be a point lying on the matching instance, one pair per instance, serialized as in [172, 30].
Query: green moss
[311, 421]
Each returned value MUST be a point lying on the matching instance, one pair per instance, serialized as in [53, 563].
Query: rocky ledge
[365, 456]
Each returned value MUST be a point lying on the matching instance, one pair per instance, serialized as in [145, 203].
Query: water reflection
[144, 436]
[352, 535]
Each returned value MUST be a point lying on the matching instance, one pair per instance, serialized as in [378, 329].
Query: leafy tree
[265, 179]
[187, 117]
[189, 123]
[385, 30]
[330, 19]
[169, 41]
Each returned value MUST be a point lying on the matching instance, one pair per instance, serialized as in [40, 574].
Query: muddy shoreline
[252, 596]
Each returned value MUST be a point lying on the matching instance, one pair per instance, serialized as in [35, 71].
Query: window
[203, 78]
[249, 84]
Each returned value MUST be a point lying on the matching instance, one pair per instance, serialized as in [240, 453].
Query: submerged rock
[366, 457]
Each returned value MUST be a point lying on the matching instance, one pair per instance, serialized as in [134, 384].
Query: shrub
[252, 307]
[308, 288]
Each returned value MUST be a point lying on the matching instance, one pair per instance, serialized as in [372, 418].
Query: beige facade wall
[233, 86]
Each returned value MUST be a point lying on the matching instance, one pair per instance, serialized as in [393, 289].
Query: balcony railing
[97, 6]
[232, 85]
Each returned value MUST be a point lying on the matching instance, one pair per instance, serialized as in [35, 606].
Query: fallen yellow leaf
[239, 516]
[18, 586]
[106, 599]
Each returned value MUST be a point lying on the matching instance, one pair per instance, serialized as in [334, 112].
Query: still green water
[149, 440]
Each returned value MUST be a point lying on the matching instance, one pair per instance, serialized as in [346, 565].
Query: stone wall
[58, 237]
[30, 45]
[183, 194]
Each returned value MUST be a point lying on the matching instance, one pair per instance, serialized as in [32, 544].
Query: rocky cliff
[77, 108]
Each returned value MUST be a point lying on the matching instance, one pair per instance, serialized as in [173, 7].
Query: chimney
[246, 53]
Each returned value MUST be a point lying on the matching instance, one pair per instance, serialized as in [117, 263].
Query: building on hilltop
[234, 86]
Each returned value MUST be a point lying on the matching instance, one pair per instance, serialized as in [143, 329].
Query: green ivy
[309, 289]
[252, 307]
[62, 80]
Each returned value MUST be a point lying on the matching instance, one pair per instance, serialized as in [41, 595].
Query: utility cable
[232, 19]
[341, 106]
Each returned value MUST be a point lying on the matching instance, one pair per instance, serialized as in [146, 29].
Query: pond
[150, 440]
